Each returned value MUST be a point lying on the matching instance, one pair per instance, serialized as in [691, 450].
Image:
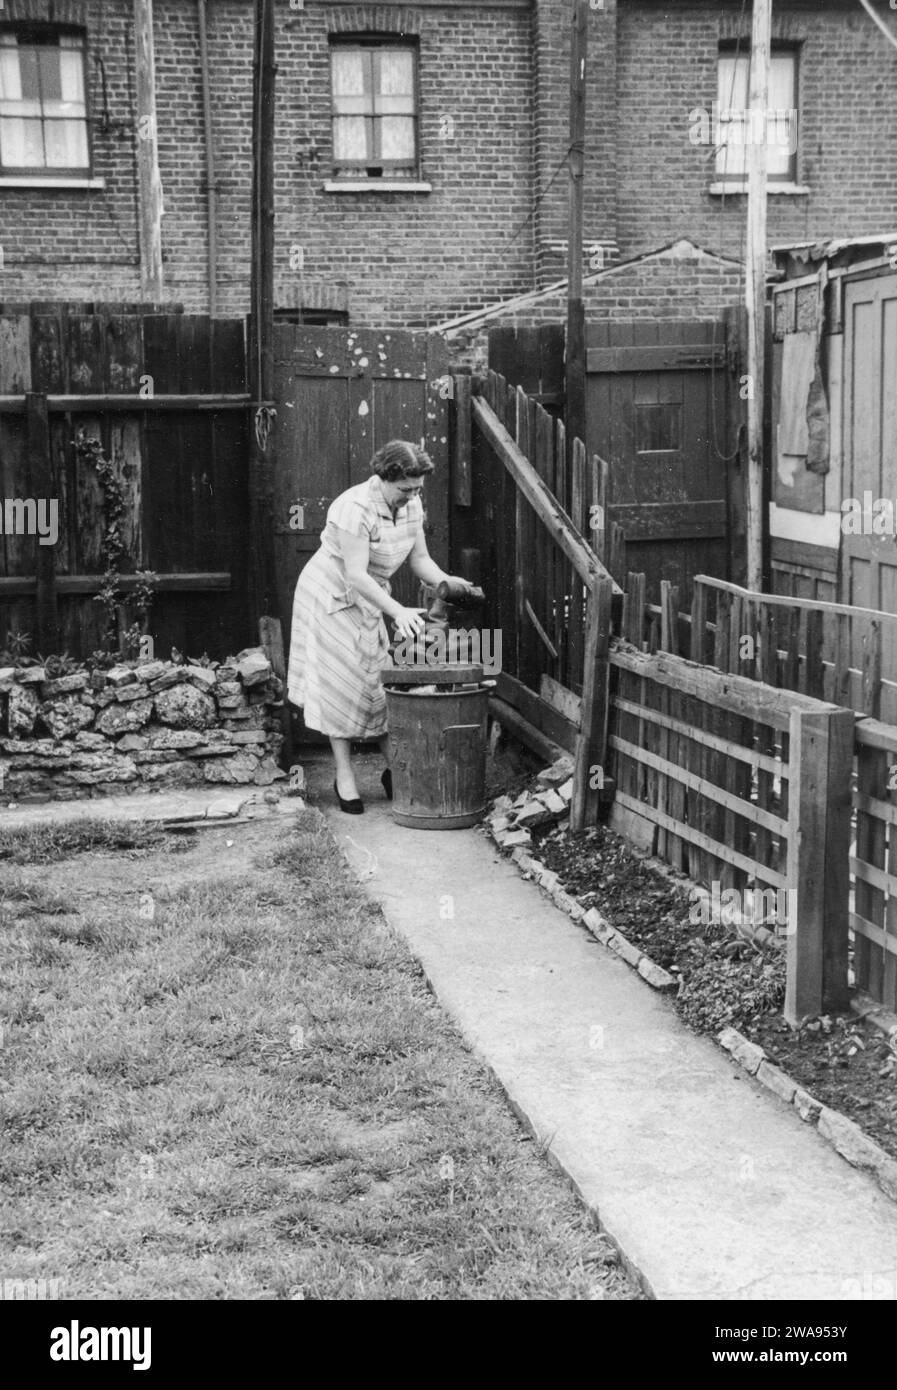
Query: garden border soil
[843, 1134]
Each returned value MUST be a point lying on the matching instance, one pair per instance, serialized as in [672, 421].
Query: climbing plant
[124, 641]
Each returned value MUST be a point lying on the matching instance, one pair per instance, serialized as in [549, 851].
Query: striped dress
[338, 641]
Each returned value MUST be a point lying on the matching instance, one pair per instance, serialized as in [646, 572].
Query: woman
[339, 643]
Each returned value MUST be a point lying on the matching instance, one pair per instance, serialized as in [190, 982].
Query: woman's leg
[345, 773]
[384, 747]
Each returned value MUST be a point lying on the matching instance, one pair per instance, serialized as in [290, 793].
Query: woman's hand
[409, 622]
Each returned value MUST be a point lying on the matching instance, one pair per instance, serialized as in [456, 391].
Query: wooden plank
[871, 681]
[874, 934]
[674, 357]
[821, 750]
[809, 558]
[460, 457]
[561, 699]
[527, 666]
[46, 617]
[19, 587]
[714, 849]
[747, 698]
[749, 756]
[513, 720]
[592, 739]
[546, 640]
[745, 810]
[556, 522]
[698, 623]
[787, 601]
[537, 712]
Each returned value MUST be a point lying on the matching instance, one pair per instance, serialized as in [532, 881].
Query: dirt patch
[845, 1063]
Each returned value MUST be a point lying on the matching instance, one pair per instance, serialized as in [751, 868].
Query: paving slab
[187, 806]
[712, 1188]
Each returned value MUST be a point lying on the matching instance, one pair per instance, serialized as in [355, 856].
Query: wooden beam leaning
[550, 514]
[821, 760]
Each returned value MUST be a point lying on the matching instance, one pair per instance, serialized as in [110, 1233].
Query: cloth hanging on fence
[818, 424]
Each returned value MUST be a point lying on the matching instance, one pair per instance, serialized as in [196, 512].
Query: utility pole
[262, 594]
[755, 286]
[148, 179]
[575, 361]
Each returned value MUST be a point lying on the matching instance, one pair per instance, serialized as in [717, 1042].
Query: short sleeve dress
[338, 640]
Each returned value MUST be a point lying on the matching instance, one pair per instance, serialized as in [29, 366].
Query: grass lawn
[223, 1076]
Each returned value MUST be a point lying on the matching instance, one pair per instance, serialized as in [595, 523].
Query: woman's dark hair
[401, 459]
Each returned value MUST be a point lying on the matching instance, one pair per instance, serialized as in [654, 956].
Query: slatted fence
[745, 789]
[550, 594]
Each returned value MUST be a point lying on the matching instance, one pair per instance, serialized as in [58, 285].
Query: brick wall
[494, 131]
[408, 258]
[666, 67]
[680, 282]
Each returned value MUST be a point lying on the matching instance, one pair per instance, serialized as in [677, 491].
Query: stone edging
[844, 1135]
[591, 918]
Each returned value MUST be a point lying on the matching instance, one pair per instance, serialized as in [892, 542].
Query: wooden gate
[659, 402]
[342, 394]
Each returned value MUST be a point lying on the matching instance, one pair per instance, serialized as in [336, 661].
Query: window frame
[35, 32]
[391, 171]
[737, 179]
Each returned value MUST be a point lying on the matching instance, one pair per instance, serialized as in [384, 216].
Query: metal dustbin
[437, 744]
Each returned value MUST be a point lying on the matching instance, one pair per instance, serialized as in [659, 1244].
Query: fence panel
[717, 818]
[165, 397]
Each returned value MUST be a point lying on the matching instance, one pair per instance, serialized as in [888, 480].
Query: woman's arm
[356, 554]
[423, 567]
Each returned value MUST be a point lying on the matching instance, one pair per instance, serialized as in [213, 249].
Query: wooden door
[341, 394]
[657, 411]
[869, 561]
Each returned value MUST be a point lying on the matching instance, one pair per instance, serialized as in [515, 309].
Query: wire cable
[877, 19]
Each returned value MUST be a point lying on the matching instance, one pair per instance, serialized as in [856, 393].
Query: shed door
[869, 562]
[657, 411]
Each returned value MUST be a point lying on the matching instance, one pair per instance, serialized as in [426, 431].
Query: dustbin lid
[446, 673]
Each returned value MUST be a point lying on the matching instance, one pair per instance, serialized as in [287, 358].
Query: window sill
[791, 190]
[34, 181]
[376, 186]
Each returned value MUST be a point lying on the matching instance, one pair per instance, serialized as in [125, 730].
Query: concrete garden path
[711, 1187]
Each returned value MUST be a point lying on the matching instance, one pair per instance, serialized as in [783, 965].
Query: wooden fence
[746, 789]
[783, 642]
[550, 593]
[832, 651]
[165, 393]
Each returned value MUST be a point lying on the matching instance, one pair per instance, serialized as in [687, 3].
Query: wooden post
[591, 743]
[820, 766]
[261, 579]
[149, 181]
[460, 460]
[755, 283]
[46, 622]
[575, 360]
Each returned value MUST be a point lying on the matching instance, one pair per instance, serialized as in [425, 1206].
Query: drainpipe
[211, 187]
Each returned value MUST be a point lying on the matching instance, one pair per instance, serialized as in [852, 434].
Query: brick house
[421, 149]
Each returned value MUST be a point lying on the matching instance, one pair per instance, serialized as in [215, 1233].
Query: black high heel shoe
[386, 779]
[355, 807]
